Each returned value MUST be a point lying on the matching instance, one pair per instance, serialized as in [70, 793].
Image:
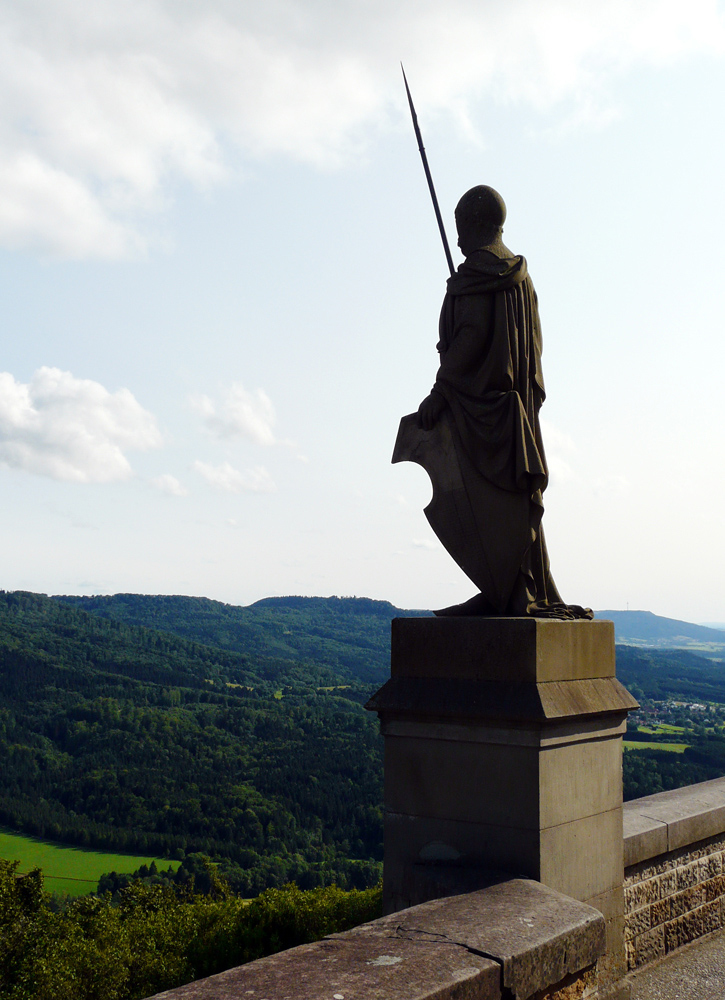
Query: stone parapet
[674, 887]
[513, 940]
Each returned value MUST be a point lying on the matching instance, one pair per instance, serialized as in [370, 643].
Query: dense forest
[349, 635]
[181, 726]
[124, 737]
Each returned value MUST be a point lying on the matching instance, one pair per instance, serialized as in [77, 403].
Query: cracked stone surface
[538, 935]
[397, 968]
[518, 934]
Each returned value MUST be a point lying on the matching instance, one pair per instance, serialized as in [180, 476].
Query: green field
[662, 727]
[674, 747]
[69, 869]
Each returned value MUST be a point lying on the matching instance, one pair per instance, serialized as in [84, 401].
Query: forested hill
[351, 635]
[181, 725]
[130, 738]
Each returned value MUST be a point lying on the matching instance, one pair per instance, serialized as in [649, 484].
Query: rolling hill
[642, 628]
[173, 725]
[350, 635]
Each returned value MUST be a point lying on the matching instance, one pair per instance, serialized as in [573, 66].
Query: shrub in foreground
[155, 938]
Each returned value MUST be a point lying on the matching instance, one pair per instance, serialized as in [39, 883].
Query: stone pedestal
[503, 750]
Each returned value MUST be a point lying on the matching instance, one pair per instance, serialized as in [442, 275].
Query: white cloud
[240, 414]
[73, 429]
[42, 206]
[226, 477]
[103, 105]
[169, 484]
[425, 543]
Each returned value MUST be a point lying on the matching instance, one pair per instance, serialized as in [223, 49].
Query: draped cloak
[485, 455]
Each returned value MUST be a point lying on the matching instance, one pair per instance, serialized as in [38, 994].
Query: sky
[220, 279]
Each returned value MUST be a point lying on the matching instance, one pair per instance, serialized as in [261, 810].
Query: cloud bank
[71, 429]
[106, 106]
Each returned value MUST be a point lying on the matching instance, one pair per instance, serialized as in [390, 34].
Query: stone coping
[514, 938]
[668, 821]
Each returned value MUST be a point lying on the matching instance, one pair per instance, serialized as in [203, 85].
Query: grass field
[674, 747]
[69, 869]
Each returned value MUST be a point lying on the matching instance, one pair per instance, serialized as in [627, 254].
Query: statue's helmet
[480, 209]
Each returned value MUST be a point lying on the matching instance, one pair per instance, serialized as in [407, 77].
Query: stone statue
[477, 434]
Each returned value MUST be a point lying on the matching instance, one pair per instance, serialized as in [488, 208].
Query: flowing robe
[485, 455]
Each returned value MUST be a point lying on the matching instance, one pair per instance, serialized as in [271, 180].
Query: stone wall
[513, 940]
[674, 856]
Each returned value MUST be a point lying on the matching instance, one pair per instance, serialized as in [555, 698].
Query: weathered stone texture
[580, 987]
[668, 883]
[516, 939]
[673, 899]
[650, 945]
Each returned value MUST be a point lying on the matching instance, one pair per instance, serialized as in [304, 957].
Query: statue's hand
[430, 409]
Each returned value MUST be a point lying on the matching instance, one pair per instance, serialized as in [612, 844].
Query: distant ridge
[643, 628]
[340, 605]
[351, 635]
[348, 633]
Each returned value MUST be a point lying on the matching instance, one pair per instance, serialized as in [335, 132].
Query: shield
[485, 529]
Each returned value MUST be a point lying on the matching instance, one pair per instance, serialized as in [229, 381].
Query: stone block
[579, 987]
[641, 894]
[579, 780]
[503, 750]
[692, 814]
[693, 925]
[644, 837]
[694, 896]
[702, 869]
[410, 841]
[688, 875]
[509, 649]
[583, 858]
[687, 900]
[659, 912]
[649, 946]
[714, 864]
[641, 920]
[388, 968]
[471, 782]
[678, 904]
[667, 883]
[714, 888]
[612, 965]
[538, 935]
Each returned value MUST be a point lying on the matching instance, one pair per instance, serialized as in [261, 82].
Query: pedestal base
[503, 750]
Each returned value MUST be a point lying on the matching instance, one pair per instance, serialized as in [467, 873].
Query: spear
[428, 177]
